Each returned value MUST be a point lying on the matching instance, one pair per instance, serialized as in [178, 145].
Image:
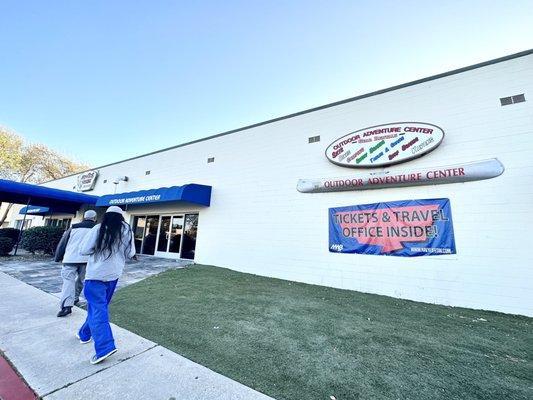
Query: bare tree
[28, 162]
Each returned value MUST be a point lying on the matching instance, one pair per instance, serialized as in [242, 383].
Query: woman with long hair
[108, 245]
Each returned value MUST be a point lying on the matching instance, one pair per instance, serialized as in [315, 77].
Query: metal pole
[22, 227]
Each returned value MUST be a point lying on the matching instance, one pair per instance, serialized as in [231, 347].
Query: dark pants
[98, 295]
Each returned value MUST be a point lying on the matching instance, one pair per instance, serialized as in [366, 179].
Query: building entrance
[169, 235]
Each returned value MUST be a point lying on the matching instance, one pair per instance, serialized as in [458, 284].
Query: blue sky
[105, 80]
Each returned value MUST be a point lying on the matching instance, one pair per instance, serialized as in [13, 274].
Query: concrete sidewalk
[47, 354]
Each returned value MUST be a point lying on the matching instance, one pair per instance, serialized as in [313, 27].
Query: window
[190, 231]
[314, 139]
[211, 160]
[518, 98]
[27, 224]
[147, 172]
[59, 222]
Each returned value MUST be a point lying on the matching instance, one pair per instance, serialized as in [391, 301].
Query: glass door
[150, 235]
[169, 238]
[138, 231]
[176, 232]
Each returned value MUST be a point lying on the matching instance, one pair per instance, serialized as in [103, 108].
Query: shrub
[11, 233]
[41, 238]
[6, 245]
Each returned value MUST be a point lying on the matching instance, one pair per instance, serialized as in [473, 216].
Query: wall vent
[519, 98]
[314, 139]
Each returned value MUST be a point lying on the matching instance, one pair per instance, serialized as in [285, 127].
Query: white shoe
[95, 360]
[84, 341]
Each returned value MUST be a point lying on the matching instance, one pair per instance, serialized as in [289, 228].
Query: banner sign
[382, 145]
[408, 228]
[135, 200]
[473, 171]
[87, 180]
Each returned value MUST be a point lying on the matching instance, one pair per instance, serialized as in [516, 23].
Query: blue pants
[98, 295]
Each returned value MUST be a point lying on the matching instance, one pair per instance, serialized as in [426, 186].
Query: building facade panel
[259, 223]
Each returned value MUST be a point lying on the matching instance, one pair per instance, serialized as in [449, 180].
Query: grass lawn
[297, 341]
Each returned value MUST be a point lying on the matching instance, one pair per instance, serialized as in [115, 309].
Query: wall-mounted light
[119, 179]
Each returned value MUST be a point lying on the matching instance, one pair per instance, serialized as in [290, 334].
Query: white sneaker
[95, 360]
[84, 341]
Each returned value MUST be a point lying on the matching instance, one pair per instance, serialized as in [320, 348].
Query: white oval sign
[382, 145]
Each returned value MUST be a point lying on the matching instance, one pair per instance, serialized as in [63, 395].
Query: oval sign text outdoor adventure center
[382, 145]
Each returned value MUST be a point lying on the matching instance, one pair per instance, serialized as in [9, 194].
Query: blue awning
[34, 210]
[38, 210]
[191, 193]
[42, 196]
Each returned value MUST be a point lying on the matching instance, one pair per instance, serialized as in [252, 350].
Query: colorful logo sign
[382, 145]
[87, 180]
[408, 228]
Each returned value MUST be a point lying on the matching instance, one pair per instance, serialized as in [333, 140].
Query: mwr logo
[336, 247]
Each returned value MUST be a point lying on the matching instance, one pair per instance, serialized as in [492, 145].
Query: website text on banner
[407, 228]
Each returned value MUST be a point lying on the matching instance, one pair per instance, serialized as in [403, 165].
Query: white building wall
[12, 215]
[259, 223]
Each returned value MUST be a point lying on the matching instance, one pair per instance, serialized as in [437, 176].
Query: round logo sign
[382, 145]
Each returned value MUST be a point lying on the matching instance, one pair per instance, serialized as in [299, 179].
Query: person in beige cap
[108, 245]
[74, 263]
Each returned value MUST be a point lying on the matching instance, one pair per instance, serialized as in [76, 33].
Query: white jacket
[107, 267]
[68, 249]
